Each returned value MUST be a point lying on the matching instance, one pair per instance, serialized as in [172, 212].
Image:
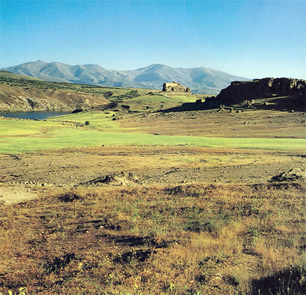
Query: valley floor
[148, 165]
[156, 219]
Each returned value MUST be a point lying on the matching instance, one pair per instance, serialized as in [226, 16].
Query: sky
[247, 38]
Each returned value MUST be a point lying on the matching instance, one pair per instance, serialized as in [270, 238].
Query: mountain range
[199, 80]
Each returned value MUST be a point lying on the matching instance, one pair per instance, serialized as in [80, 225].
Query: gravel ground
[22, 176]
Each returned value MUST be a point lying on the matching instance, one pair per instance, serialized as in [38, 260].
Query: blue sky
[251, 38]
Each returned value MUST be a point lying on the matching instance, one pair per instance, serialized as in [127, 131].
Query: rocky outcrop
[267, 87]
[114, 179]
[175, 87]
[283, 94]
[292, 175]
[249, 91]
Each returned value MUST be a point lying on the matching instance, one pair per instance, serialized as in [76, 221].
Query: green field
[70, 131]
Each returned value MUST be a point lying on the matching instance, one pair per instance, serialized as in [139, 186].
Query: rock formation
[278, 93]
[240, 91]
[293, 174]
[175, 87]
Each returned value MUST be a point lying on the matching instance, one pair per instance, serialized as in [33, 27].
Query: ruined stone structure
[175, 87]
[239, 91]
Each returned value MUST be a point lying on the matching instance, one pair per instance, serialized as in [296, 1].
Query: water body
[32, 115]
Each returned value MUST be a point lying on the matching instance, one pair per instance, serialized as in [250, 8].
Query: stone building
[175, 87]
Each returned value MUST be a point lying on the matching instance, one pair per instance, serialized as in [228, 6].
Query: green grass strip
[71, 137]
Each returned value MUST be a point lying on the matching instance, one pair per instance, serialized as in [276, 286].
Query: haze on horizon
[254, 39]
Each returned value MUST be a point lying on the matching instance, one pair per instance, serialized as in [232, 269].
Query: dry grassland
[185, 239]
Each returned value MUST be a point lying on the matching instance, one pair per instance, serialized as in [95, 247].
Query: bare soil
[223, 123]
[15, 194]
[28, 175]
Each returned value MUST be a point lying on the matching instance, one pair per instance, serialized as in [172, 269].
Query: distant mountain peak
[199, 80]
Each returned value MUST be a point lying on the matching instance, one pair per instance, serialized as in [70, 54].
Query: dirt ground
[224, 123]
[30, 175]
[15, 194]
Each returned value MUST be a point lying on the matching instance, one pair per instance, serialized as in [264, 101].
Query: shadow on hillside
[289, 103]
[190, 106]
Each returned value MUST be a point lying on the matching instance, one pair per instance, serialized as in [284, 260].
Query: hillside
[199, 80]
[23, 93]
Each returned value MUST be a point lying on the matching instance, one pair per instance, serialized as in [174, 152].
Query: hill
[24, 93]
[199, 80]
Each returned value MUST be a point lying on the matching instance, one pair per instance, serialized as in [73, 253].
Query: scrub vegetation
[185, 239]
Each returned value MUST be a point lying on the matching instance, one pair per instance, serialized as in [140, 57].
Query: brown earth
[33, 174]
[16, 194]
[220, 123]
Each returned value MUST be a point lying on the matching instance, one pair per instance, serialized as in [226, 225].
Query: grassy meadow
[70, 131]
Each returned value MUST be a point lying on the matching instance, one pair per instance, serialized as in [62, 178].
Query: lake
[32, 115]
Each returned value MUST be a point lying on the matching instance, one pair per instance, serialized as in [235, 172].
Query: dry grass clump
[187, 239]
